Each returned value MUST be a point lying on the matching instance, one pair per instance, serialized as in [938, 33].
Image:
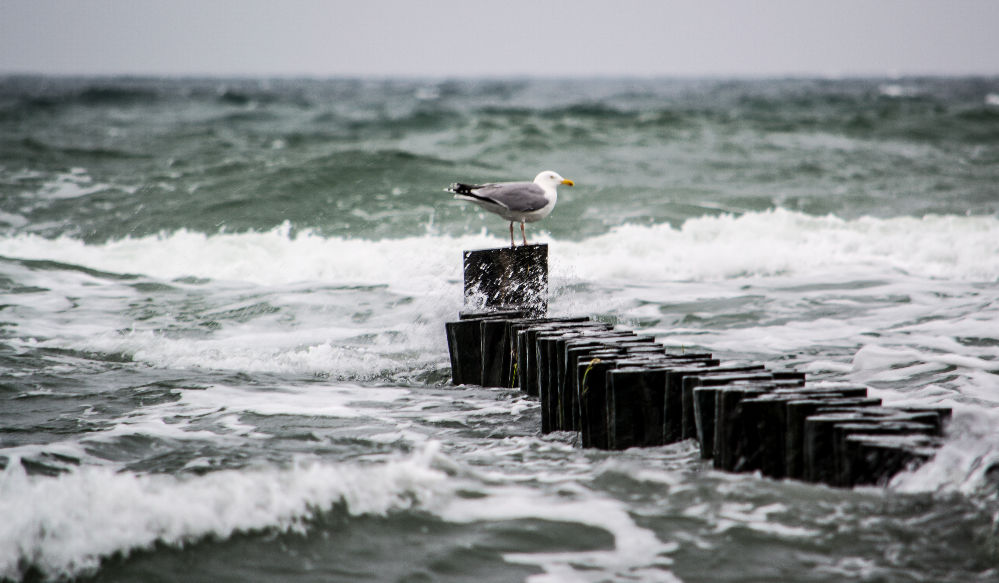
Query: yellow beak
[568, 182]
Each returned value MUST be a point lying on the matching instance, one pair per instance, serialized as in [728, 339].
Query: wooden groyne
[621, 389]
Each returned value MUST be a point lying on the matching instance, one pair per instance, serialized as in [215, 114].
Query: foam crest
[369, 309]
[781, 242]
[286, 352]
[878, 358]
[968, 461]
[637, 552]
[271, 257]
[775, 242]
[64, 526]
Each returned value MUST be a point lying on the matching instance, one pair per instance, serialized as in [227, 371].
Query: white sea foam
[768, 243]
[728, 515]
[637, 552]
[781, 242]
[357, 309]
[220, 406]
[70, 184]
[336, 401]
[969, 454]
[268, 258]
[13, 219]
[897, 90]
[284, 351]
[65, 525]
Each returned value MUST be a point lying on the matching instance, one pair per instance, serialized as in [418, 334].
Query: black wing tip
[460, 188]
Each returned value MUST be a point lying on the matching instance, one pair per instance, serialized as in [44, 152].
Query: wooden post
[798, 412]
[876, 458]
[729, 426]
[681, 391]
[845, 462]
[508, 277]
[593, 401]
[703, 389]
[635, 407]
[465, 348]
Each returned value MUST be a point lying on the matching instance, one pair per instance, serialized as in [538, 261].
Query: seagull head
[553, 179]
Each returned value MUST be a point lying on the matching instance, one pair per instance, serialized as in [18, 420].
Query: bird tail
[461, 188]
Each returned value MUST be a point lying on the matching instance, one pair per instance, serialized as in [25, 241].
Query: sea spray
[65, 526]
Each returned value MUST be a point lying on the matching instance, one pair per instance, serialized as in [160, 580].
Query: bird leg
[522, 233]
[512, 245]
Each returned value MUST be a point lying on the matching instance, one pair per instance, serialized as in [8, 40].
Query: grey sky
[512, 37]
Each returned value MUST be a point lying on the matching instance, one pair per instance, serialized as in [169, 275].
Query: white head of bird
[550, 179]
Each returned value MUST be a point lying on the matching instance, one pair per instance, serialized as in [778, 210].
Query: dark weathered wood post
[508, 277]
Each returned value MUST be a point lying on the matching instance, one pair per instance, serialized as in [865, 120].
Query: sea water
[223, 352]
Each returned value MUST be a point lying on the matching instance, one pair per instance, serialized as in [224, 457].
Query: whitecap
[637, 553]
[64, 526]
[897, 90]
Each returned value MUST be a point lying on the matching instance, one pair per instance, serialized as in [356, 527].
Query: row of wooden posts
[621, 389]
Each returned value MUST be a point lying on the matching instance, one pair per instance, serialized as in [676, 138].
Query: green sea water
[222, 307]
[369, 158]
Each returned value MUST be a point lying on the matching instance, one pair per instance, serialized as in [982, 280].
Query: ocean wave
[583, 109]
[637, 552]
[79, 154]
[782, 242]
[758, 244]
[864, 291]
[115, 95]
[64, 526]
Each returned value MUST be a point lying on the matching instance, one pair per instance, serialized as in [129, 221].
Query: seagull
[523, 202]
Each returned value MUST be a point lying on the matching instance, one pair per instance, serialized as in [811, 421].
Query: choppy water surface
[222, 321]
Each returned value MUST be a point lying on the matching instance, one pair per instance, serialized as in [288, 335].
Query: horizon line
[888, 75]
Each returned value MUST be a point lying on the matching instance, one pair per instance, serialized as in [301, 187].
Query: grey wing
[516, 196]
